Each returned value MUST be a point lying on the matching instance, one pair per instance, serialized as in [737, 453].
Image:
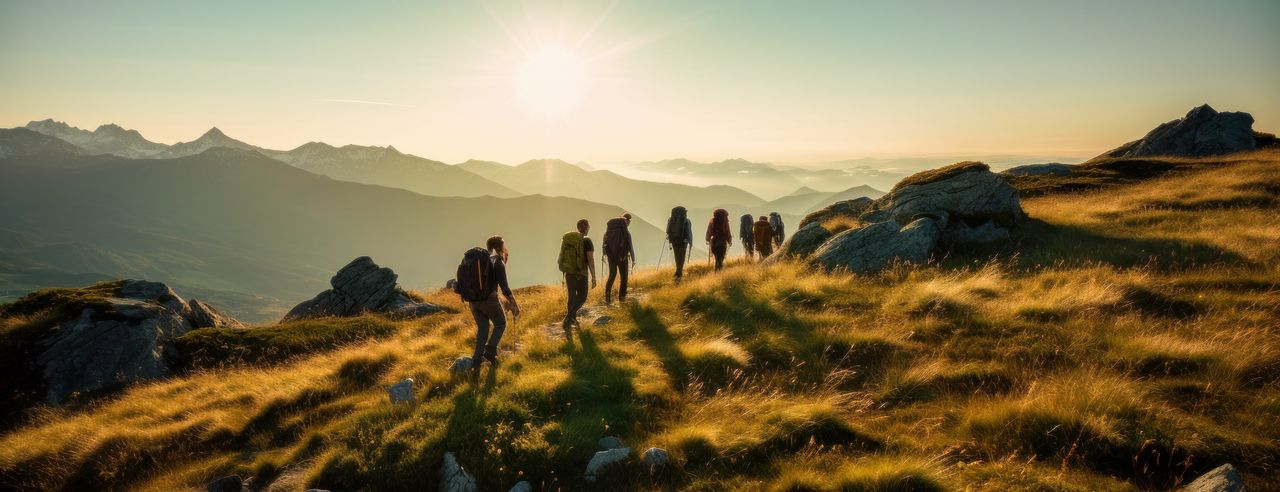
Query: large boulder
[867, 249]
[121, 338]
[847, 208]
[362, 287]
[964, 203]
[1048, 169]
[1224, 478]
[1203, 131]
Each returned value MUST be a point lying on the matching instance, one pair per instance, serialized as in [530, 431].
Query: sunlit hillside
[1128, 341]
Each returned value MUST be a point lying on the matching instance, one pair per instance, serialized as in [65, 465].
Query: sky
[626, 81]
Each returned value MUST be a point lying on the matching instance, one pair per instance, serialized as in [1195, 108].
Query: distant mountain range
[248, 232]
[649, 199]
[766, 180]
[370, 165]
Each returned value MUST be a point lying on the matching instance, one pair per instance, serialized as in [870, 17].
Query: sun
[551, 81]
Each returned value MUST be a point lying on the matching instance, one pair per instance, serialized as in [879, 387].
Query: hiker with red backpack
[719, 235]
[481, 274]
[576, 261]
[680, 235]
[617, 250]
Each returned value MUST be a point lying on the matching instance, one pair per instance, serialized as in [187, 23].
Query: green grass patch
[221, 347]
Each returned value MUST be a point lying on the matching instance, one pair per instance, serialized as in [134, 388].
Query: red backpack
[720, 231]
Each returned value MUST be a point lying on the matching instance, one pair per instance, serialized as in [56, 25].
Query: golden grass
[1075, 375]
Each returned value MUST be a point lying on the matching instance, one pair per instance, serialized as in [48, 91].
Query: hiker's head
[497, 246]
[628, 217]
[764, 218]
[583, 226]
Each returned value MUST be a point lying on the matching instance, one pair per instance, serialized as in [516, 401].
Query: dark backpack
[475, 276]
[720, 232]
[744, 227]
[615, 238]
[675, 225]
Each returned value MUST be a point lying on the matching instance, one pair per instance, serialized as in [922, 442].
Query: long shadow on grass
[654, 333]
[1039, 243]
[769, 334]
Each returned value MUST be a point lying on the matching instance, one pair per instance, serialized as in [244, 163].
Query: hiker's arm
[591, 267]
[500, 277]
[632, 247]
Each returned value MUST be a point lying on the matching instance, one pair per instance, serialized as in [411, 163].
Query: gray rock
[1203, 131]
[609, 442]
[1048, 169]
[655, 457]
[803, 242]
[125, 341]
[232, 483]
[401, 392]
[603, 320]
[461, 367]
[847, 208]
[1224, 478]
[871, 248]
[205, 316]
[103, 351]
[453, 478]
[522, 486]
[361, 286]
[975, 194]
[962, 233]
[605, 459]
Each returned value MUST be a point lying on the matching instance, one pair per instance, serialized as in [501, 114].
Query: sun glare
[551, 81]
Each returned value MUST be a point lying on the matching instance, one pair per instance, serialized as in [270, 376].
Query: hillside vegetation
[1127, 340]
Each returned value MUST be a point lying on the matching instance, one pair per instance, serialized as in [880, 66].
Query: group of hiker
[482, 275]
[758, 236]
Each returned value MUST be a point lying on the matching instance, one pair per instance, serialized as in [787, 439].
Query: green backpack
[573, 260]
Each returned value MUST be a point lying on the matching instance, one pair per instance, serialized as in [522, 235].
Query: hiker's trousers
[577, 287]
[617, 268]
[765, 249]
[679, 248]
[718, 250]
[486, 312]
[747, 248]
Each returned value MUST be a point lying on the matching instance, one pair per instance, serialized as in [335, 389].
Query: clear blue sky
[780, 81]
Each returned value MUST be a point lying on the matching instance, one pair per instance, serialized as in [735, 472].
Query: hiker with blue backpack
[576, 262]
[482, 273]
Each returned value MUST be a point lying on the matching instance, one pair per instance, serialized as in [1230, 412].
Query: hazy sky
[638, 80]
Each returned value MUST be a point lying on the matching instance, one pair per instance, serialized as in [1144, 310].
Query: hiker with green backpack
[576, 261]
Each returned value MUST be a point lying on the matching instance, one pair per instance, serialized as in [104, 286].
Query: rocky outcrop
[846, 208]
[1049, 169]
[121, 339]
[1203, 131]
[362, 287]
[871, 248]
[453, 478]
[964, 203]
[1224, 478]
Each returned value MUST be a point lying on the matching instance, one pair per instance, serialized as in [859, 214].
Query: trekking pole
[661, 249]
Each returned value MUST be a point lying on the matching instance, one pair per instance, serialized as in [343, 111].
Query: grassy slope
[1130, 344]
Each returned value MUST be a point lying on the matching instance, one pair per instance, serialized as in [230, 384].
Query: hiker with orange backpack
[575, 262]
[763, 235]
[617, 250]
[480, 276]
[719, 235]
